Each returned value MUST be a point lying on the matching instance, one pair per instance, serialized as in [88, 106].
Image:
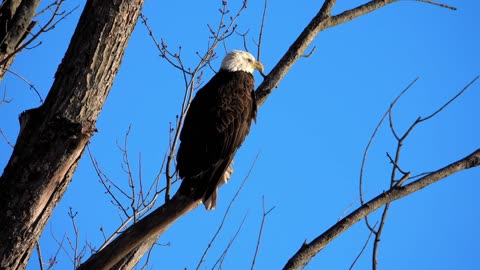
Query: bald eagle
[216, 124]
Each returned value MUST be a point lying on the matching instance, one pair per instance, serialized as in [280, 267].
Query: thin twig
[53, 260]
[4, 98]
[262, 26]
[32, 87]
[451, 100]
[378, 234]
[77, 254]
[310, 53]
[437, 4]
[103, 179]
[244, 38]
[61, 247]
[370, 141]
[227, 248]
[6, 139]
[363, 248]
[406, 175]
[147, 260]
[402, 180]
[139, 212]
[390, 122]
[395, 165]
[210, 244]
[259, 239]
[39, 253]
[51, 24]
[75, 231]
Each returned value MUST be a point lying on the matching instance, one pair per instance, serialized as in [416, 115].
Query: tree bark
[53, 137]
[15, 24]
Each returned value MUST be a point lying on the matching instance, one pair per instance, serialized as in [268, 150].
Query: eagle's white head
[237, 60]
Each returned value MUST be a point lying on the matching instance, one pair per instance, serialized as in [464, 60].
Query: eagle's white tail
[211, 202]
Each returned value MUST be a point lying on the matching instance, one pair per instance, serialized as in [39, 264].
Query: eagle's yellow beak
[258, 66]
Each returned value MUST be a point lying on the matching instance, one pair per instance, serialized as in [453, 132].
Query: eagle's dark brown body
[215, 126]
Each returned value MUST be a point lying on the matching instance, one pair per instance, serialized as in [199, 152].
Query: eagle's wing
[215, 126]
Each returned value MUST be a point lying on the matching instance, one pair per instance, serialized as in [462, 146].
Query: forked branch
[396, 167]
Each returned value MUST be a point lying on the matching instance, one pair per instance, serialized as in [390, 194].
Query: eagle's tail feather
[210, 200]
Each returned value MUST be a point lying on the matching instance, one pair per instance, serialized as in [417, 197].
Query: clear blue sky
[310, 134]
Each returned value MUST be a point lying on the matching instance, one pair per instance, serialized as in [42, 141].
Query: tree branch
[202, 259]
[146, 230]
[309, 250]
[259, 238]
[320, 22]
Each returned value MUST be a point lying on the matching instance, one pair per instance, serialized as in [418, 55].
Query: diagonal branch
[146, 230]
[262, 224]
[309, 250]
[320, 22]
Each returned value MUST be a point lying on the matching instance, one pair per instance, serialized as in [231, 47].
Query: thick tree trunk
[15, 24]
[53, 137]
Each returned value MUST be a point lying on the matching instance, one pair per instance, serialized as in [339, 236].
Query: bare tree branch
[210, 244]
[320, 22]
[370, 141]
[437, 4]
[49, 25]
[262, 26]
[6, 138]
[146, 230]
[259, 239]
[308, 250]
[145, 203]
[32, 87]
[60, 247]
[364, 247]
[78, 253]
[227, 248]
[450, 101]
[396, 167]
[39, 254]
[4, 97]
